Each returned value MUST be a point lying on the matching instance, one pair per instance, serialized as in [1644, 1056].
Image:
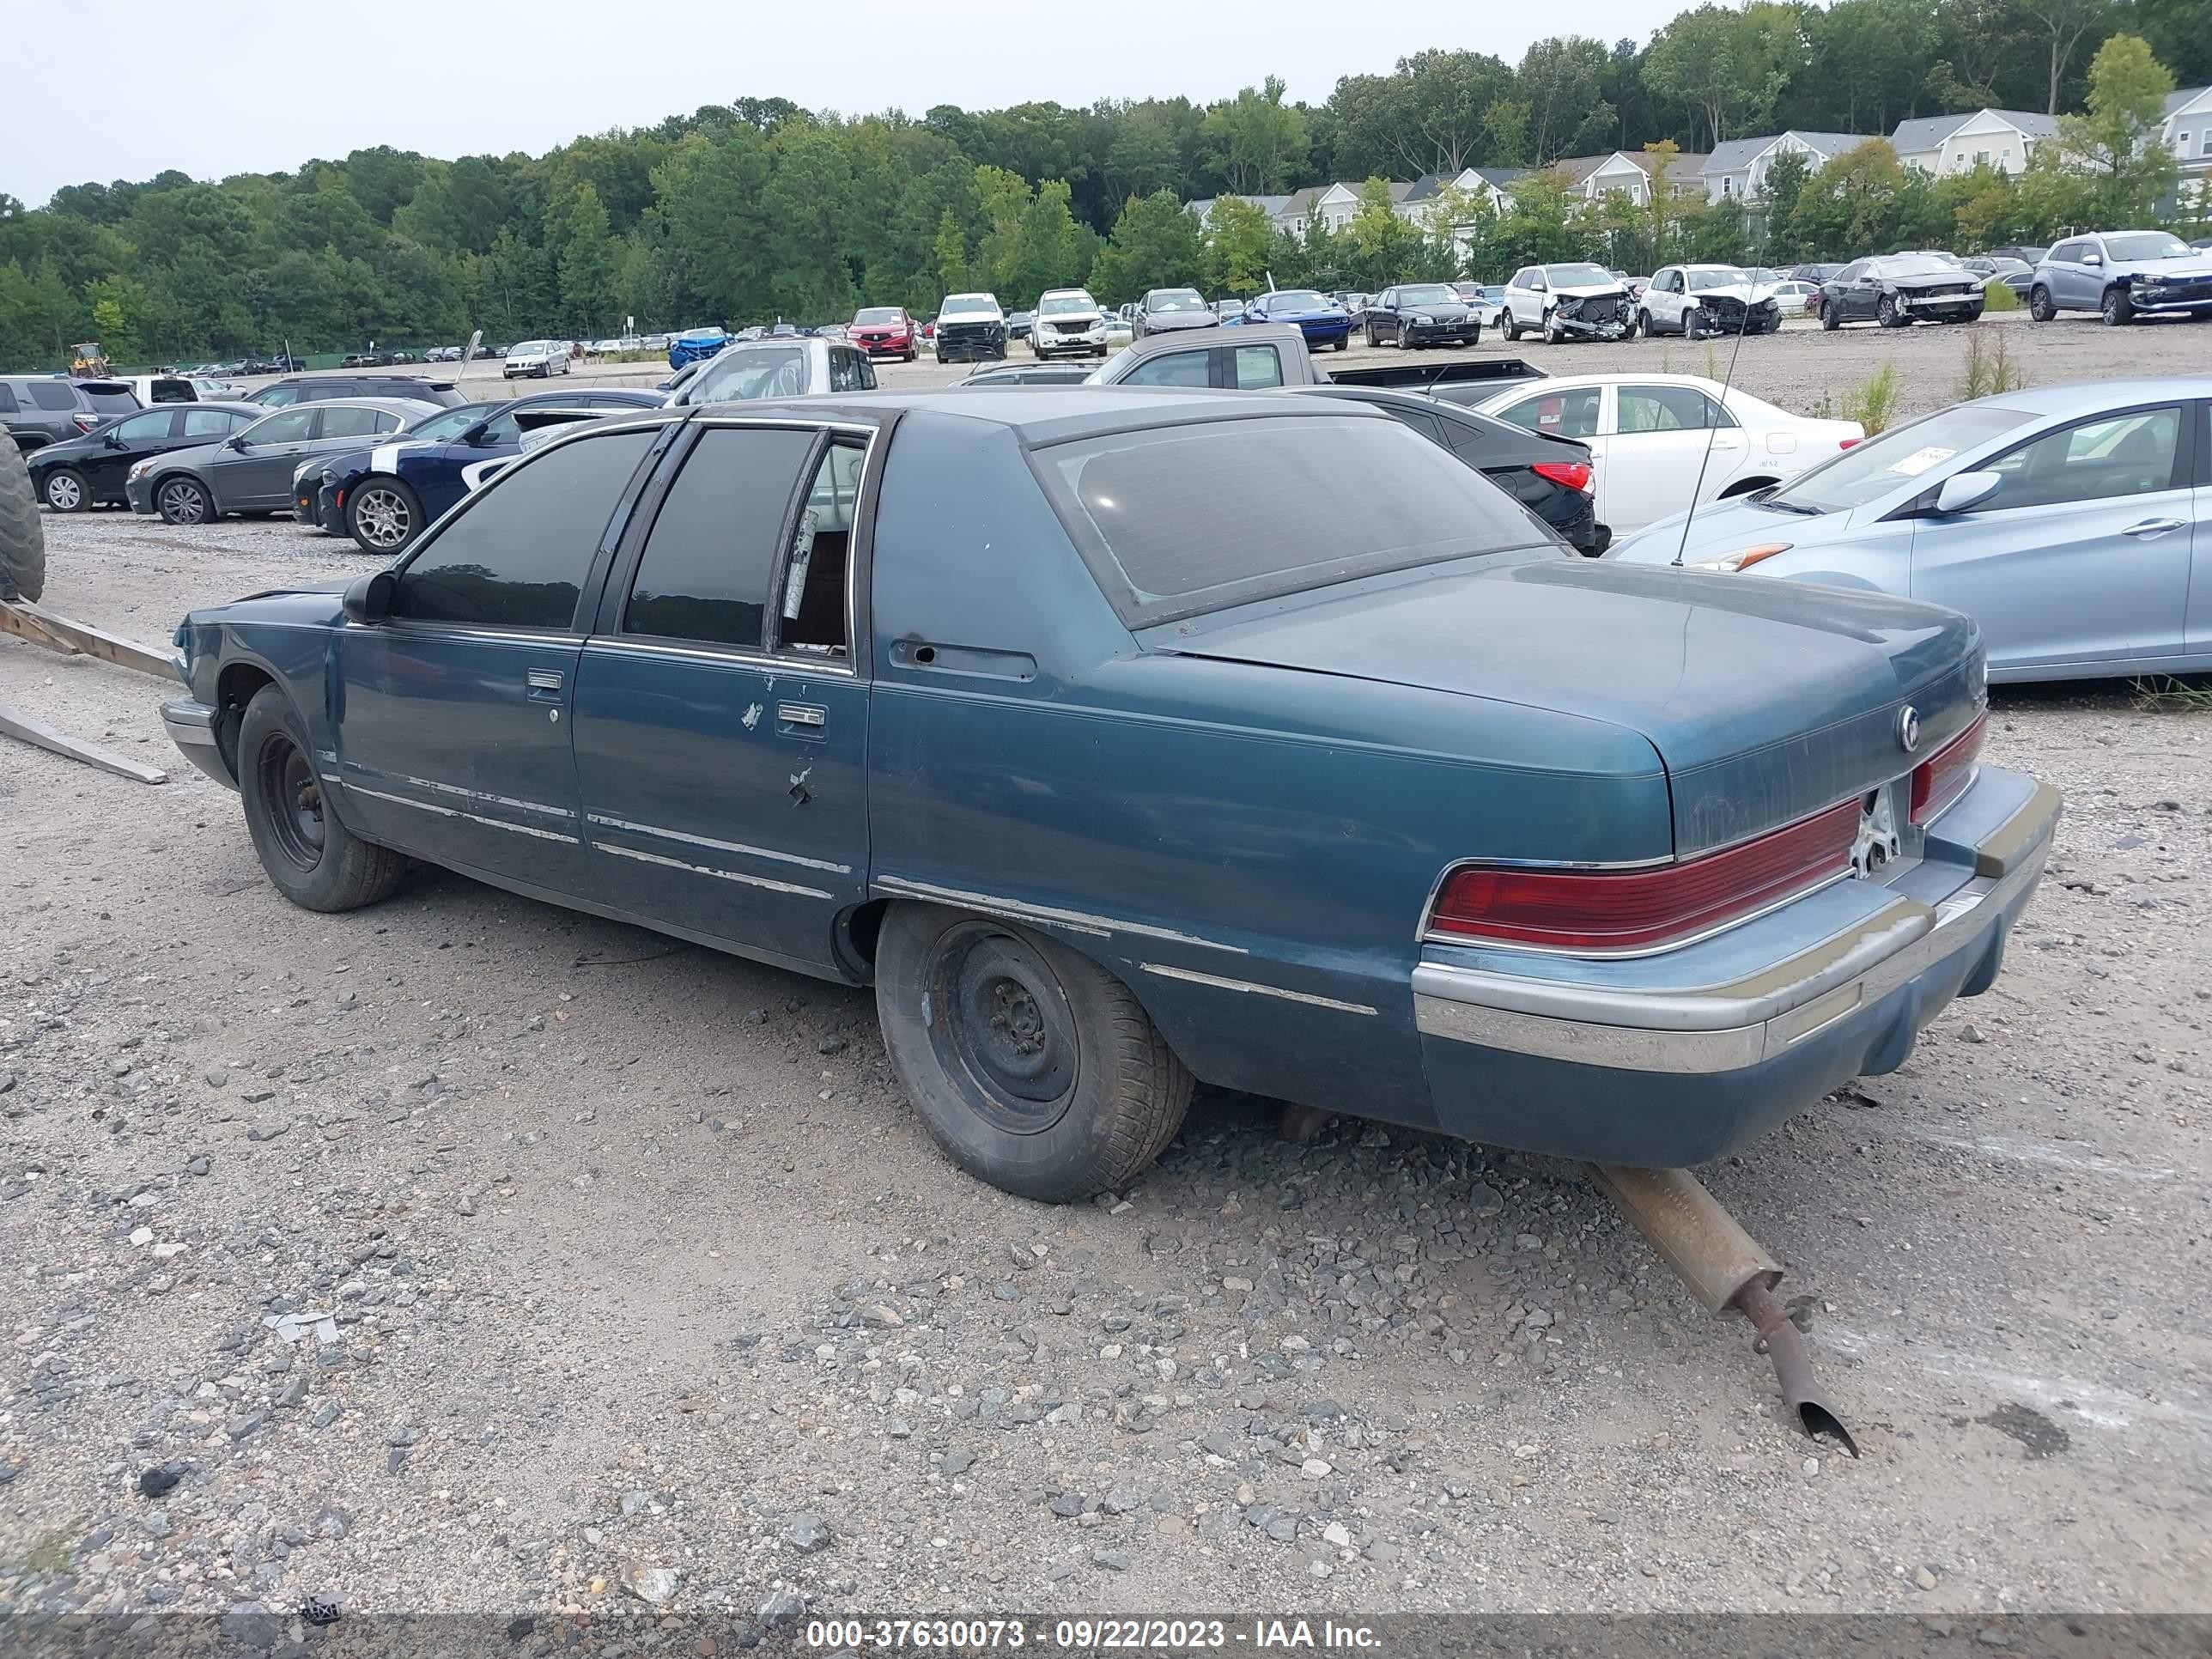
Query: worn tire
[66, 491]
[2116, 308]
[22, 537]
[1886, 315]
[1344, 344]
[1105, 1093]
[329, 867]
[1829, 321]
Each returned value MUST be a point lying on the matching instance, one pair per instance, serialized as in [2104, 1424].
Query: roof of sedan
[2071, 396]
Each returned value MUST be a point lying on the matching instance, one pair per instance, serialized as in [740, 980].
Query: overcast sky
[217, 87]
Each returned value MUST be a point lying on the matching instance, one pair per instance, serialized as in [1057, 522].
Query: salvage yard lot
[638, 1261]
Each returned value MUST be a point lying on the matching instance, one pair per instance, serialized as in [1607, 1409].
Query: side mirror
[111, 440]
[238, 443]
[368, 598]
[1963, 490]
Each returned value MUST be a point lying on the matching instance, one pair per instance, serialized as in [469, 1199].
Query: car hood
[1163, 322]
[970, 320]
[1451, 311]
[306, 604]
[1748, 293]
[1333, 314]
[2194, 266]
[1723, 527]
[1765, 701]
[1588, 291]
[1942, 279]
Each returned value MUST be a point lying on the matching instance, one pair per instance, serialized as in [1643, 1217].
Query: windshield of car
[2146, 244]
[1175, 299]
[1579, 276]
[528, 348]
[1867, 472]
[450, 423]
[1700, 281]
[1914, 265]
[876, 314]
[1297, 299]
[1188, 519]
[1427, 293]
[1054, 305]
[969, 304]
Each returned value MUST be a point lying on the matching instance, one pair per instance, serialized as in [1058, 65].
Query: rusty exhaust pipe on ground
[1724, 1268]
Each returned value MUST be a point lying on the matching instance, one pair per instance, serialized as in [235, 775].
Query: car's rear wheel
[183, 500]
[1034, 1068]
[314, 860]
[383, 515]
[66, 491]
[2118, 310]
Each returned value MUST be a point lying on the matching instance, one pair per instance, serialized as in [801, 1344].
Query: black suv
[313, 388]
[39, 409]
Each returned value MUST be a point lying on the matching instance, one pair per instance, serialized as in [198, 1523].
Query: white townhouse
[2001, 138]
[2189, 134]
[1738, 167]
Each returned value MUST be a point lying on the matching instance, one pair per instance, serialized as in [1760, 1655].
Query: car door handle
[543, 679]
[2154, 527]
[802, 713]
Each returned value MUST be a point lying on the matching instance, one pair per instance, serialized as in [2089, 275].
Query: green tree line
[758, 209]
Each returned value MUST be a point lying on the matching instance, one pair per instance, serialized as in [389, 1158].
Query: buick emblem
[1908, 728]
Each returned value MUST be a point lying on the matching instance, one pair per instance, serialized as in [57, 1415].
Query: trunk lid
[1767, 701]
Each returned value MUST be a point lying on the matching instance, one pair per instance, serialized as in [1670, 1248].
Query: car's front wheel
[383, 515]
[2118, 310]
[1034, 1068]
[183, 500]
[2040, 305]
[1693, 325]
[314, 860]
[1511, 325]
[1830, 321]
[66, 491]
[1887, 313]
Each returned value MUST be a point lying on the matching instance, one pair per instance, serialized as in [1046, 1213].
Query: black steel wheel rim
[181, 501]
[1002, 1029]
[292, 798]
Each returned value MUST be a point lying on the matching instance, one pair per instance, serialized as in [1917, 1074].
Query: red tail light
[1850, 443]
[85, 423]
[1943, 776]
[1616, 910]
[1575, 475]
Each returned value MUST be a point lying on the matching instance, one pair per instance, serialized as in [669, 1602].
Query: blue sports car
[383, 496]
[694, 344]
[1320, 319]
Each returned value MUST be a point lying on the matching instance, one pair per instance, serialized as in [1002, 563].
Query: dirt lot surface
[467, 1254]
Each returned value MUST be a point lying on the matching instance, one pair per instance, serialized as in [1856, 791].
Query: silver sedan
[2074, 523]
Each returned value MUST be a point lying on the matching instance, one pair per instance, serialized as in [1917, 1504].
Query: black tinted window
[1199, 517]
[707, 563]
[518, 556]
[60, 394]
[6, 400]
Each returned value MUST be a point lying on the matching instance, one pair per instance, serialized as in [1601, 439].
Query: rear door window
[212, 422]
[518, 555]
[141, 427]
[1572, 414]
[1258, 366]
[1666, 409]
[1186, 519]
[60, 394]
[707, 562]
[355, 423]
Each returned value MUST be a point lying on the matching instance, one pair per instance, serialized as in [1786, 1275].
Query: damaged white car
[1567, 302]
[1694, 300]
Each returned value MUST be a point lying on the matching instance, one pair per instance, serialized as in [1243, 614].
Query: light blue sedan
[2074, 523]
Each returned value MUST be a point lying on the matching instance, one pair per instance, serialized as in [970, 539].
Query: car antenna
[1726, 383]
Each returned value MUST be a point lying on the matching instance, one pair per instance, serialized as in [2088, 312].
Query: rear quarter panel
[1249, 848]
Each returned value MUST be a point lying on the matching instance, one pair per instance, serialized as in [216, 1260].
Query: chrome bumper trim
[1729, 1027]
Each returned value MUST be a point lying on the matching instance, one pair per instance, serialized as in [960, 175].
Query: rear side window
[356, 423]
[172, 391]
[1557, 414]
[1181, 368]
[1258, 366]
[211, 423]
[277, 397]
[6, 400]
[1190, 519]
[518, 556]
[140, 428]
[59, 394]
[705, 572]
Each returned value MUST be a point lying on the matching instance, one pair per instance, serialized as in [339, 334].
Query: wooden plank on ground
[14, 723]
[98, 642]
[24, 626]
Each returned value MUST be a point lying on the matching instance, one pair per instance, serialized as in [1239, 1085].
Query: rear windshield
[119, 400]
[748, 373]
[1867, 472]
[1198, 518]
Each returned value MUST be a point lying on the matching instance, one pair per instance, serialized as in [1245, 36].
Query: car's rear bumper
[192, 727]
[1677, 1058]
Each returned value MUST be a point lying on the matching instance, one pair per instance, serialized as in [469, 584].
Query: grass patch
[1712, 362]
[1872, 402]
[1990, 369]
[1996, 296]
[2167, 696]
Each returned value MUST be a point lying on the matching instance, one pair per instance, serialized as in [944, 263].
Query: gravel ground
[466, 1254]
